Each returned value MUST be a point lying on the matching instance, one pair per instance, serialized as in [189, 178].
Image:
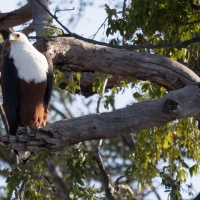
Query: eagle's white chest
[30, 63]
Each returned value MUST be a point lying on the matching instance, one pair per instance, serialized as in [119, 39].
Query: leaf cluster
[31, 176]
[158, 22]
[81, 167]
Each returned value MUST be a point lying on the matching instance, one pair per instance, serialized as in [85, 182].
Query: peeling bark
[73, 54]
[138, 116]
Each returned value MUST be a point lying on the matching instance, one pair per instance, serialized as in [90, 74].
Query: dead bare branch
[61, 185]
[103, 24]
[108, 187]
[63, 11]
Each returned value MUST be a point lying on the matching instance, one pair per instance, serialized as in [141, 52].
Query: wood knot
[170, 105]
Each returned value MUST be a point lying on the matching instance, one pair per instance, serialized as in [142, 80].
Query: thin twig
[193, 22]
[103, 24]
[125, 187]
[22, 188]
[48, 184]
[156, 193]
[54, 17]
[153, 190]
[184, 44]
[117, 181]
[62, 11]
[65, 105]
[101, 96]
[52, 26]
[123, 15]
[110, 190]
[52, 107]
[61, 185]
[108, 187]
[5, 122]
[124, 8]
[29, 26]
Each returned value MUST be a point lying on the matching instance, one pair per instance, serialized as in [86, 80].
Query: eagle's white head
[30, 63]
[17, 37]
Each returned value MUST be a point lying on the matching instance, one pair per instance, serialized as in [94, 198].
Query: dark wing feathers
[47, 95]
[9, 84]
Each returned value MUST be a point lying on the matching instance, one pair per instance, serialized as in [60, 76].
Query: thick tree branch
[183, 44]
[39, 15]
[5, 32]
[16, 17]
[24, 14]
[197, 197]
[69, 52]
[60, 183]
[193, 6]
[139, 116]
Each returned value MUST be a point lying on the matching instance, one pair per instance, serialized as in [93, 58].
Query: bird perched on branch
[26, 82]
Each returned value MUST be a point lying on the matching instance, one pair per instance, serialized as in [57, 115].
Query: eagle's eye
[18, 35]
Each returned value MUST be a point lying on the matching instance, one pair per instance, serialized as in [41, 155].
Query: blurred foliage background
[159, 157]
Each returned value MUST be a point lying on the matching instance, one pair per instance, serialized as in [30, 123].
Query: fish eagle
[26, 82]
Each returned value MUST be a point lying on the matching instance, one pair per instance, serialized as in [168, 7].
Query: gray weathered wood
[39, 15]
[69, 52]
[16, 17]
[139, 116]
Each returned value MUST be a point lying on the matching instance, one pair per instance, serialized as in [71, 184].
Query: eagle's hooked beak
[13, 36]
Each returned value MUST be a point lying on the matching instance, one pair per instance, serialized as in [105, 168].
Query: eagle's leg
[20, 129]
[24, 155]
[24, 129]
[28, 131]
